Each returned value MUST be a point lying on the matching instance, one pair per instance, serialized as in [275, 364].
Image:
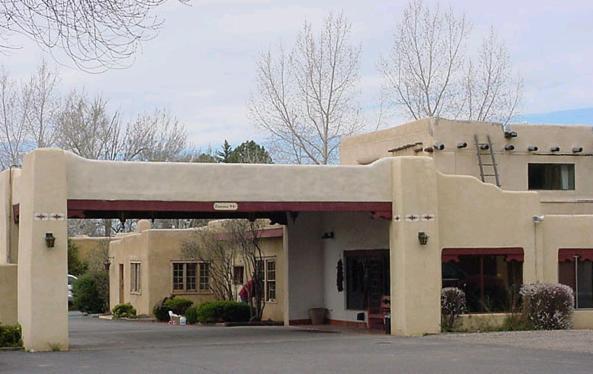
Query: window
[185, 276]
[238, 275]
[135, 277]
[551, 176]
[204, 276]
[575, 269]
[270, 280]
[490, 280]
[367, 278]
[265, 272]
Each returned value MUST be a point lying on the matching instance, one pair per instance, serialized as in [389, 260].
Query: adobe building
[409, 210]
[148, 265]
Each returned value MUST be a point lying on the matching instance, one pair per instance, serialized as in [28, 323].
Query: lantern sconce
[422, 238]
[555, 149]
[509, 147]
[461, 145]
[532, 148]
[439, 146]
[50, 240]
[577, 149]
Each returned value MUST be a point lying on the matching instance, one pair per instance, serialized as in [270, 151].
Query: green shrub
[10, 336]
[223, 311]
[91, 292]
[75, 265]
[452, 306]
[124, 311]
[548, 306]
[178, 305]
[160, 312]
[191, 314]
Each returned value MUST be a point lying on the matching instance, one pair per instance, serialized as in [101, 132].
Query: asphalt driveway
[99, 346]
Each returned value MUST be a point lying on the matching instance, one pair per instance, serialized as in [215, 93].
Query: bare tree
[44, 106]
[95, 34]
[491, 92]
[430, 72]
[246, 235]
[305, 100]
[14, 108]
[88, 128]
[210, 246]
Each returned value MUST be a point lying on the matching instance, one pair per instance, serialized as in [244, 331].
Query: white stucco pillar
[304, 260]
[415, 268]
[42, 282]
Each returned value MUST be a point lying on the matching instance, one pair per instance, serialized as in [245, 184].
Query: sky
[201, 65]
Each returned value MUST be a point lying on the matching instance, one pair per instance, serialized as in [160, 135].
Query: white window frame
[135, 277]
[184, 276]
[266, 281]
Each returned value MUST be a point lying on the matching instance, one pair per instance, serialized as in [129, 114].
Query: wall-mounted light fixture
[439, 146]
[577, 149]
[555, 149]
[328, 235]
[422, 238]
[510, 134]
[428, 149]
[50, 240]
[461, 145]
[509, 147]
[537, 219]
[484, 146]
[532, 148]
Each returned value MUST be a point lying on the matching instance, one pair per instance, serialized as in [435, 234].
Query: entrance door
[367, 278]
[121, 283]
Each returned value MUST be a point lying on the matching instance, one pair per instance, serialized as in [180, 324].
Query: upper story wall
[413, 139]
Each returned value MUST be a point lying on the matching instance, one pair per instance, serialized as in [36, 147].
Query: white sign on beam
[226, 206]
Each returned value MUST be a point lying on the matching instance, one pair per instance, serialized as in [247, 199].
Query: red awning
[568, 254]
[512, 253]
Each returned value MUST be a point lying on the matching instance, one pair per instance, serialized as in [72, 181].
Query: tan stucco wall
[156, 250]
[8, 294]
[224, 182]
[512, 165]
[88, 246]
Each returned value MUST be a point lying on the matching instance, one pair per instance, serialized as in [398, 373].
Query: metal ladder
[487, 169]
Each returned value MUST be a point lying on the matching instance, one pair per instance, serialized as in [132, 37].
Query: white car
[71, 279]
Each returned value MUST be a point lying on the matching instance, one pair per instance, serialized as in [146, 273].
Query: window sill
[135, 292]
[183, 292]
[271, 302]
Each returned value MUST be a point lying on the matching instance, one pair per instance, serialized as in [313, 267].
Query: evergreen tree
[250, 152]
[224, 155]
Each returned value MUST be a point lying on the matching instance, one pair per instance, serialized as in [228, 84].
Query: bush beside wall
[452, 306]
[91, 292]
[124, 311]
[548, 306]
[177, 305]
[223, 311]
[10, 336]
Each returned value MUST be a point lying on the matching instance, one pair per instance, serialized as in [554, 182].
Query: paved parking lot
[100, 346]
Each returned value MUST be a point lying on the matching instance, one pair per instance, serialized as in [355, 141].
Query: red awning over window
[568, 254]
[511, 253]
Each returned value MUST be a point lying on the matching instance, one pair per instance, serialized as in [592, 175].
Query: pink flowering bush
[452, 306]
[548, 306]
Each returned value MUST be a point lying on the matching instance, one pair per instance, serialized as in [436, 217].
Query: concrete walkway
[100, 346]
